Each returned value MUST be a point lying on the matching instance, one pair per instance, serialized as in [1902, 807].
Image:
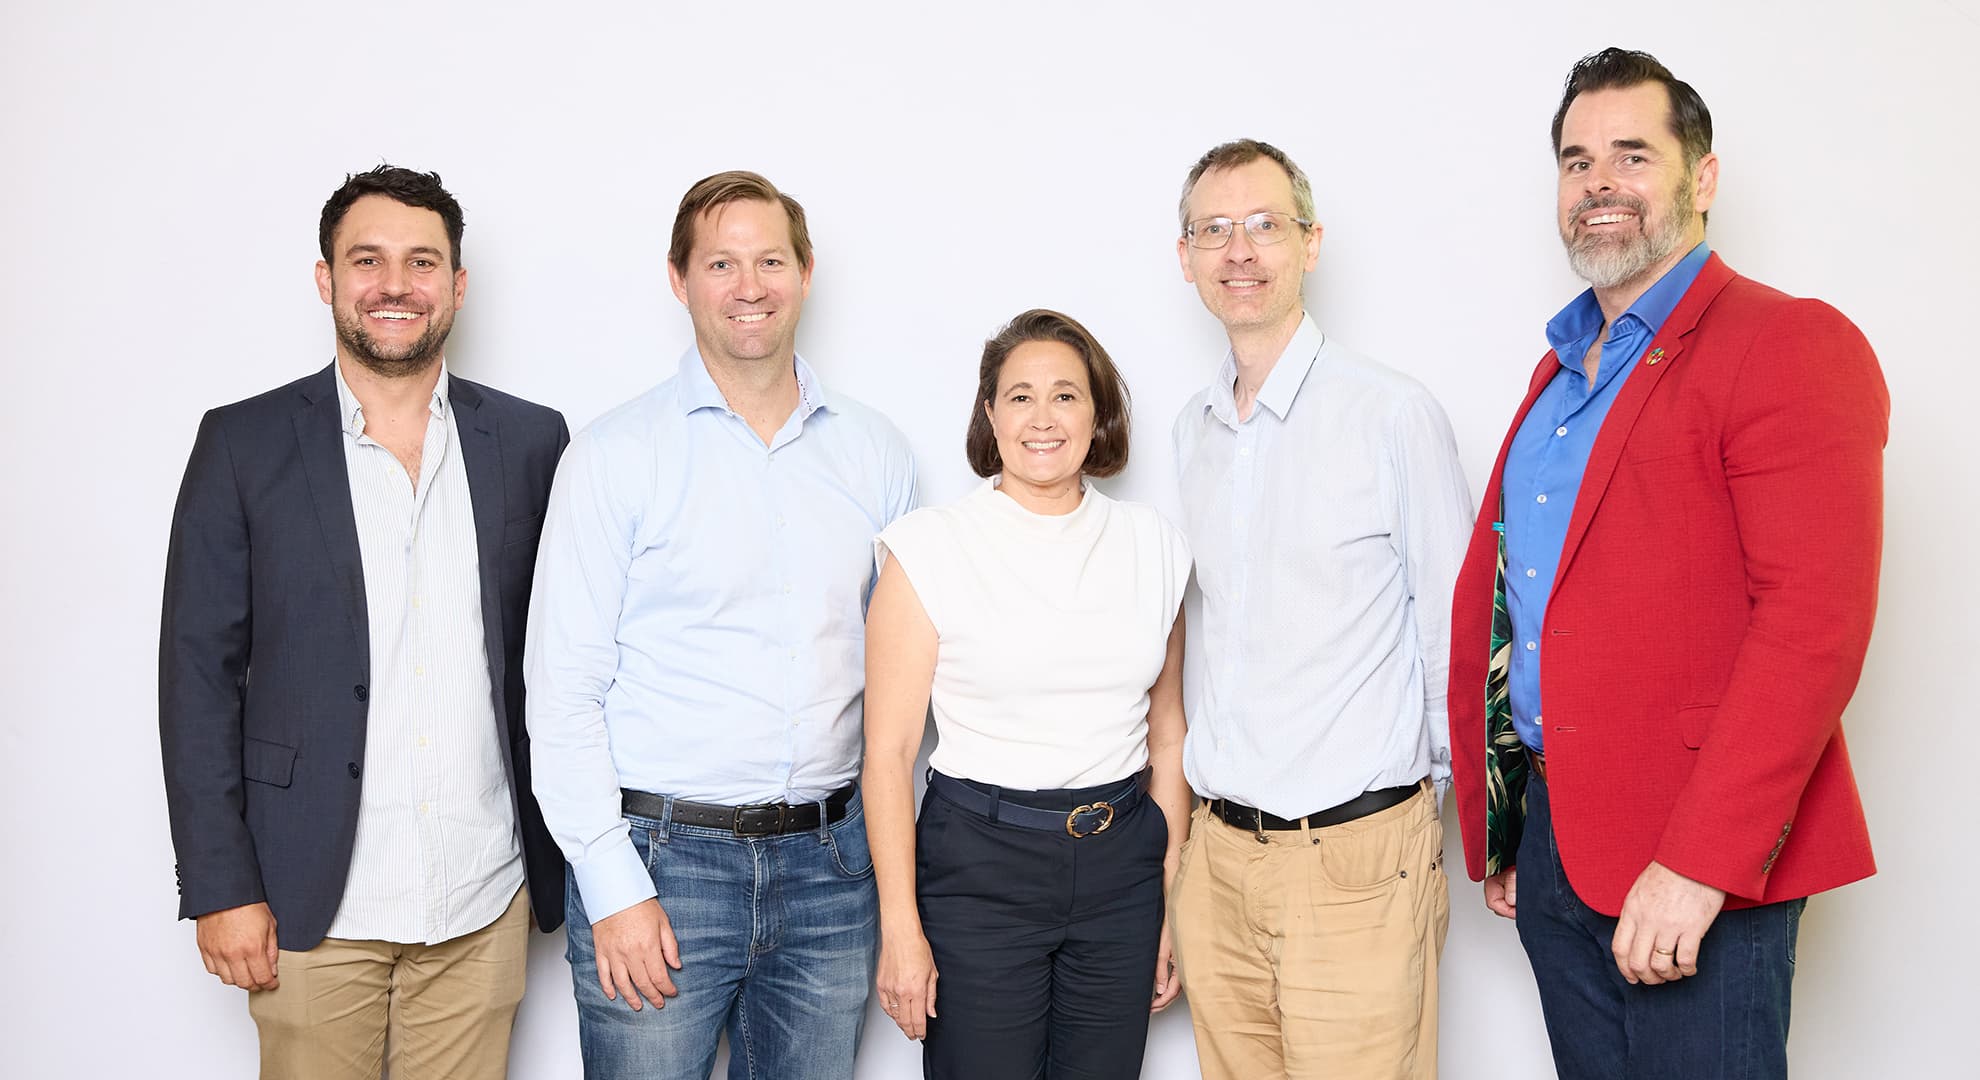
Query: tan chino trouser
[1313, 953]
[448, 1008]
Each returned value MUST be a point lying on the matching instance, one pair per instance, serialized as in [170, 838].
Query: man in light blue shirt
[695, 661]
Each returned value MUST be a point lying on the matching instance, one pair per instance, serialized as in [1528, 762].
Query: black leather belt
[761, 819]
[1362, 805]
[1077, 821]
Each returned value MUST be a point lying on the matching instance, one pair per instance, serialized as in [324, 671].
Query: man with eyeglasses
[1323, 499]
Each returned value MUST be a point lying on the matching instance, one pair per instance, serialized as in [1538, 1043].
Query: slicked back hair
[405, 186]
[1620, 69]
[1108, 453]
[723, 188]
[1238, 152]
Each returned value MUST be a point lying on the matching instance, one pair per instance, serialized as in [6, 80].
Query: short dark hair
[1238, 152]
[1108, 453]
[722, 189]
[421, 189]
[1620, 69]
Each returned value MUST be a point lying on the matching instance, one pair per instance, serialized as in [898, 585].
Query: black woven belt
[761, 819]
[1362, 805]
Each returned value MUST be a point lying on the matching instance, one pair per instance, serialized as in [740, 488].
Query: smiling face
[742, 283]
[1629, 207]
[1248, 287]
[1043, 419]
[390, 286]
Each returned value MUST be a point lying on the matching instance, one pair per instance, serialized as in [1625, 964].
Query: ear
[806, 277]
[1313, 245]
[1706, 176]
[679, 283]
[323, 281]
[1182, 256]
[460, 288]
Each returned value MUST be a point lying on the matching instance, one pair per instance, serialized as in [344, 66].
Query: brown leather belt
[760, 819]
[1362, 805]
[1537, 761]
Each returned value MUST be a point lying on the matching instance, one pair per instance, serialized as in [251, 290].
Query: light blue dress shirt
[697, 627]
[1547, 457]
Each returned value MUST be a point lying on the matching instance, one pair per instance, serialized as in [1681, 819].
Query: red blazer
[1713, 603]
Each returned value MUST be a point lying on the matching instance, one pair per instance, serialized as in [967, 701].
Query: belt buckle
[763, 819]
[1072, 819]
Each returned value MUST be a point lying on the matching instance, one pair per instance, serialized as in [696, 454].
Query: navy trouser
[1728, 1022]
[1044, 943]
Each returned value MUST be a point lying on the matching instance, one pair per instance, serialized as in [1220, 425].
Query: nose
[1239, 247]
[749, 284]
[396, 281]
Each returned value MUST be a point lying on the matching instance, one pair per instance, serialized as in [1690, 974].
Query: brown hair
[722, 189]
[1108, 453]
[1238, 152]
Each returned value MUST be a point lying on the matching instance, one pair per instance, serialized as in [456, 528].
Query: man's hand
[238, 944]
[906, 981]
[1168, 982]
[1664, 918]
[634, 948]
[1502, 892]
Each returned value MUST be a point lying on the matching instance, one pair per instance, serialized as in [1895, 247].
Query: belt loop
[664, 832]
[996, 802]
[1306, 830]
[1258, 825]
[824, 819]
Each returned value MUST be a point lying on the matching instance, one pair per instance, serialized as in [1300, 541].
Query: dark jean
[1044, 943]
[1728, 1022]
[778, 938]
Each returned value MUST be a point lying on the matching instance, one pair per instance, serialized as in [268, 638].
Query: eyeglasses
[1264, 227]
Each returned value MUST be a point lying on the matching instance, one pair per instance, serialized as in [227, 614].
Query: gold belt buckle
[1072, 818]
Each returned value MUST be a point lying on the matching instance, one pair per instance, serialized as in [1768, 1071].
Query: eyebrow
[1617, 144]
[1027, 386]
[374, 249]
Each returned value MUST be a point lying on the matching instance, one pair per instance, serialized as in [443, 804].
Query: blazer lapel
[1659, 357]
[320, 435]
[481, 453]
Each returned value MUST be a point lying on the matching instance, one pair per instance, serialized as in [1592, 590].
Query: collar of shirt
[1573, 330]
[353, 413]
[698, 390]
[1281, 386]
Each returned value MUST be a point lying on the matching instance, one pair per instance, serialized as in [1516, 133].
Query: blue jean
[1728, 1022]
[778, 938]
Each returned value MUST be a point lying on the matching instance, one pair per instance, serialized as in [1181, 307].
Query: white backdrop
[164, 165]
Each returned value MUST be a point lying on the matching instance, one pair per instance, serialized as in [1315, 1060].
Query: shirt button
[1540, 498]
[422, 740]
[352, 767]
[1560, 431]
[416, 601]
[422, 808]
[787, 590]
[1530, 572]
[419, 669]
[1244, 451]
[1531, 646]
[360, 693]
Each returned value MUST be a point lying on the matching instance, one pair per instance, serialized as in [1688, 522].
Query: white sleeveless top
[1051, 630]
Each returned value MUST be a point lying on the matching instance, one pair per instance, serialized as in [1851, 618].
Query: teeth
[395, 314]
[1609, 219]
[1054, 445]
[757, 317]
[1243, 283]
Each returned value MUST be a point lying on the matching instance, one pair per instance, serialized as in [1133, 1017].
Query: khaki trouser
[1314, 953]
[448, 1007]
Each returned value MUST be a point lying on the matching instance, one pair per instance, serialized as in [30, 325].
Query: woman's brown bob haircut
[1108, 453]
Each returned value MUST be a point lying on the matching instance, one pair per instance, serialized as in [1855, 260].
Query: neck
[382, 395]
[1616, 300]
[1256, 351]
[1053, 499]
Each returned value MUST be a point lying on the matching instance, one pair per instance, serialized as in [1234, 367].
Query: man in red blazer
[1663, 612]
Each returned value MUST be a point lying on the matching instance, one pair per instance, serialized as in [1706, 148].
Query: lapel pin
[1655, 355]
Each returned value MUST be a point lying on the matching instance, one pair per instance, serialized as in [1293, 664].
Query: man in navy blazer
[340, 674]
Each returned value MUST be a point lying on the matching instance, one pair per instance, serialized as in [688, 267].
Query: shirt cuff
[613, 879]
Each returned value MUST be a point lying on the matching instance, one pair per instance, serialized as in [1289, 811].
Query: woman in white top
[1042, 620]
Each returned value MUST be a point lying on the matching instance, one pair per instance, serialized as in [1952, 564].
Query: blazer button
[352, 766]
[359, 692]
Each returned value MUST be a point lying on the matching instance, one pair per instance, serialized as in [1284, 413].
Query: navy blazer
[264, 646]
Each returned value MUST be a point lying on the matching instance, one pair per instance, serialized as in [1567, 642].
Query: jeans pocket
[849, 851]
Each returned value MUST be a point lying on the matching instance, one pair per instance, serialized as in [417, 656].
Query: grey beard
[1606, 264]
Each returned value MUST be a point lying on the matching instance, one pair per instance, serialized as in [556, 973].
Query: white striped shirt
[437, 854]
[1327, 529]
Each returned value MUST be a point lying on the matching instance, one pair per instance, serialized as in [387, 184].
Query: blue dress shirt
[1544, 466]
[697, 627]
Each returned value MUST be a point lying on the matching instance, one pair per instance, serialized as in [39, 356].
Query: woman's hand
[1168, 981]
[907, 983]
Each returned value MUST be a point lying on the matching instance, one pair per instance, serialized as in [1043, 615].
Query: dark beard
[400, 364]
